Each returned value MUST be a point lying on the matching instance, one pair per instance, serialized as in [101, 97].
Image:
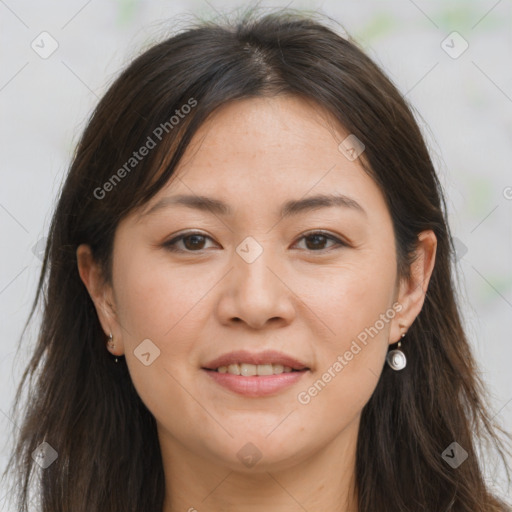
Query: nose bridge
[253, 261]
[257, 292]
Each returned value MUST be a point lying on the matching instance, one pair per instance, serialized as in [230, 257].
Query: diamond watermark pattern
[44, 455]
[351, 147]
[454, 45]
[147, 352]
[460, 248]
[454, 455]
[39, 248]
[249, 455]
[44, 45]
[249, 249]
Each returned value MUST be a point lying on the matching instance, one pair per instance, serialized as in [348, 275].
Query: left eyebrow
[292, 207]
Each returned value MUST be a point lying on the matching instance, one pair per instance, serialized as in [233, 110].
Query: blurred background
[451, 60]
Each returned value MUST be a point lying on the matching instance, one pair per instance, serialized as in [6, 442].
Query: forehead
[268, 151]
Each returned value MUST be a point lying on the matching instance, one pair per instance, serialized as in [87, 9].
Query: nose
[257, 293]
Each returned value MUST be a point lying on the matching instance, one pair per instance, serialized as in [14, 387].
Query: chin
[256, 451]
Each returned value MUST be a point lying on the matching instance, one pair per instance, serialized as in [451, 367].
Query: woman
[249, 302]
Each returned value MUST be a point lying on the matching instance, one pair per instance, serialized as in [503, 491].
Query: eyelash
[171, 244]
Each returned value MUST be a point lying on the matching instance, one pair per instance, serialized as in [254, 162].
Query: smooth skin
[305, 296]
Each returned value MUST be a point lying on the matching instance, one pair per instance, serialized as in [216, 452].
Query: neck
[324, 480]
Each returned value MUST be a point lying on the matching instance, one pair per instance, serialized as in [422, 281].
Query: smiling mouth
[251, 370]
[256, 375]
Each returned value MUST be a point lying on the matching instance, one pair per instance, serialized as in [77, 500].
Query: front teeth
[248, 370]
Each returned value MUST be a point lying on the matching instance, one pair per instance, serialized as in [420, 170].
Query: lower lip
[256, 385]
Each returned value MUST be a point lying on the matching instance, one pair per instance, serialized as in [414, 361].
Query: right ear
[100, 293]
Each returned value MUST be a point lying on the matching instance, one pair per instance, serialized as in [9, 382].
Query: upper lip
[265, 357]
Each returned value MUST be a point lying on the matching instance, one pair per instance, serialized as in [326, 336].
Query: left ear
[411, 294]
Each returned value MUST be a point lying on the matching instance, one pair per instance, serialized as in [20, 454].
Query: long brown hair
[84, 405]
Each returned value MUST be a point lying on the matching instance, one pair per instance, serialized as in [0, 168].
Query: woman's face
[249, 279]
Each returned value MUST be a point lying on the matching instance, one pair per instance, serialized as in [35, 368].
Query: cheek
[350, 361]
[357, 308]
[155, 298]
[351, 298]
[159, 303]
[338, 399]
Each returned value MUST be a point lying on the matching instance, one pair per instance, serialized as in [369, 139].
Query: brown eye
[316, 241]
[191, 242]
